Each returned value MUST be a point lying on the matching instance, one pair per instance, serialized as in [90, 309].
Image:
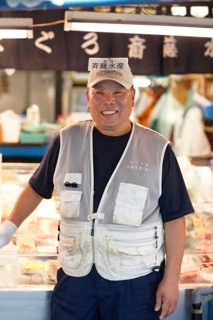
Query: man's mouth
[108, 112]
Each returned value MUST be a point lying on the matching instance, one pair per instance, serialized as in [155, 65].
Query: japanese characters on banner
[52, 48]
[144, 52]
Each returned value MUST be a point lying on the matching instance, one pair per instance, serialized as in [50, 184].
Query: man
[122, 205]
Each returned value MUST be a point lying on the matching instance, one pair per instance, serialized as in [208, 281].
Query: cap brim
[124, 83]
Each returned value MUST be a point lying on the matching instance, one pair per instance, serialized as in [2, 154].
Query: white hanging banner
[107, 64]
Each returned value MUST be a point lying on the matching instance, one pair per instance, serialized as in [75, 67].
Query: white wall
[23, 88]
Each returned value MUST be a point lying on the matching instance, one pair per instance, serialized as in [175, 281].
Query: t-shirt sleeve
[42, 179]
[174, 201]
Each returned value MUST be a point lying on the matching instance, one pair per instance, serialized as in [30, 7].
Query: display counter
[33, 304]
[29, 263]
[31, 257]
[24, 304]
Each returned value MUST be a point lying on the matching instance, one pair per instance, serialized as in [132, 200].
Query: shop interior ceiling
[29, 4]
[157, 5]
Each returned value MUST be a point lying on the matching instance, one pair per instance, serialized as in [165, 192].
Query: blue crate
[207, 112]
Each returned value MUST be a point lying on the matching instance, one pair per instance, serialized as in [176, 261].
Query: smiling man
[110, 105]
[111, 95]
[122, 207]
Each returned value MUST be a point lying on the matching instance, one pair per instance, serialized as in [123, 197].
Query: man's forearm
[175, 239]
[167, 292]
[26, 203]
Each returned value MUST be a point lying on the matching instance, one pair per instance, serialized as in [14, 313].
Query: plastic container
[11, 127]
[33, 115]
[31, 138]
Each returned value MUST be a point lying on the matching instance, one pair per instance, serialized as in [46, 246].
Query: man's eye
[99, 93]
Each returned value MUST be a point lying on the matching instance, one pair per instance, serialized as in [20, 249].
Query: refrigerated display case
[197, 267]
[29, 263]
[31, 257]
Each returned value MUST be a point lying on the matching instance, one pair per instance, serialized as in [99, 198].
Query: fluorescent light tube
[16, 28]
[15, 34]
[143, 29]
[138, 24]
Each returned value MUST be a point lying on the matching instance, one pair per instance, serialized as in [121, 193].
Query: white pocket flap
[127, 216]
[70, 196]
[131, 195]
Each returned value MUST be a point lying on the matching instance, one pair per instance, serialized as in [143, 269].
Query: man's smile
[109, 112]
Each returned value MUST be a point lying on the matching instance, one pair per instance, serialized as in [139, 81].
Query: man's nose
[108, 98]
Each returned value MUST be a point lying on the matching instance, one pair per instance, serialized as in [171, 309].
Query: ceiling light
[141, 82]
[16, 28]
[9, 71]
[138, 24]
[178, 11]
[199, 12]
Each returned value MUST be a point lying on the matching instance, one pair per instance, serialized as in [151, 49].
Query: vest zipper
[93, 228]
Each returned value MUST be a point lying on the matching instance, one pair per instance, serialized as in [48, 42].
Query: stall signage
[52, 48]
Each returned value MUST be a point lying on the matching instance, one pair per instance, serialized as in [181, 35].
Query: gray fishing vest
[128, 229]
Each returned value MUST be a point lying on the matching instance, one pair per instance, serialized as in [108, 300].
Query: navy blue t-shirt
[107, 150]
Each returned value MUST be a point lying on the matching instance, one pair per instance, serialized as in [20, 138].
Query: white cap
[116, 69]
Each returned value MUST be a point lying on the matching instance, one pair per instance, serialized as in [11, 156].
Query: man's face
[110, 106]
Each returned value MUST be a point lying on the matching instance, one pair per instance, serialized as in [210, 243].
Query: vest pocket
[70, 203]
[129, 256]
[72, 251]
[129, 204]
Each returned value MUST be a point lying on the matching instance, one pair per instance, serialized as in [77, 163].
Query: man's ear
[133, 94]
[87, 94]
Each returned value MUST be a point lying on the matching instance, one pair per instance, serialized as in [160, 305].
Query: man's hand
[7, 229]
[168, 291]
[167, 297]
